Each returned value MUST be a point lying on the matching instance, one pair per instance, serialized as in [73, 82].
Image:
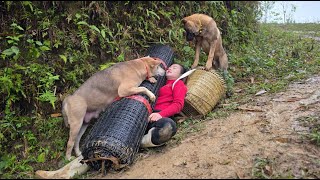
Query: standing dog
[101, 89]
[207, 35]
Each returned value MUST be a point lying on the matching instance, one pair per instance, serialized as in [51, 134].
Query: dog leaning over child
[160, 129]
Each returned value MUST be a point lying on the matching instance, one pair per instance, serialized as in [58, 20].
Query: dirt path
[247, 144]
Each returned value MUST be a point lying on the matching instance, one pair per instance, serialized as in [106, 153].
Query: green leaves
[48, 96]
[63, 57]
[104, 66]
[94, 28]
[48, 80]
[103, 34]
[120, 58]
[151, 13]
[29, 4]
[187, 49]
[16, 26]
[82, 23]
[41, 157]
[14, 39]
[37, 48]
[13, 51]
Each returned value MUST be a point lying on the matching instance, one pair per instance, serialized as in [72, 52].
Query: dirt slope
[266, 140]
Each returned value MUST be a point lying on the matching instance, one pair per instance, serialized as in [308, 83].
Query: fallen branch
[288, 100]
[56, 115]
[250, 109]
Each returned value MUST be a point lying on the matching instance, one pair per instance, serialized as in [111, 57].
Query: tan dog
[207, 35]
[101, 89]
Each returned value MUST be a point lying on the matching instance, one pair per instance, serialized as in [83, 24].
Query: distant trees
[277, 11]
[287, 11]
[266, 7]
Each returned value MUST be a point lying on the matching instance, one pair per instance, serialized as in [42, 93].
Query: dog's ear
[183, 21]
[152, 61]
[157, 61]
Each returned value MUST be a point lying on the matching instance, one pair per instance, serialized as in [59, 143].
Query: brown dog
[101, 89]
[207, 35]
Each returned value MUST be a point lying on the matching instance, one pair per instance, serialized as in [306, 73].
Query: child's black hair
[183, 69]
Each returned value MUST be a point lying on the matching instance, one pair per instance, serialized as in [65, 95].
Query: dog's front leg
[196, 58]
[211, 55]
[124, 91]
[223, 61]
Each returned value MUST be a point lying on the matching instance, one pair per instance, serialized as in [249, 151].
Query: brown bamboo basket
[205, 89]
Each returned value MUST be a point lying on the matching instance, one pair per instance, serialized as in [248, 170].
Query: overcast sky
[306, 11]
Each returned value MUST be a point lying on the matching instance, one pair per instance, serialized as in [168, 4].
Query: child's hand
[154, 117]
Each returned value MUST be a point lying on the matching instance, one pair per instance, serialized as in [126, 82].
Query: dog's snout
[190, 36]
[162, 63]
[160, 71]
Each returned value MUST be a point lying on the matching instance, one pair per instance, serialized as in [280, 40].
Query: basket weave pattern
[205, 89]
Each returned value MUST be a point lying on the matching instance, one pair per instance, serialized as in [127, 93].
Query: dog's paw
[70, 158]
[152, 97]
[208, 67]
[78, 153]
[152, 80]
[200, 68]
[193, 66]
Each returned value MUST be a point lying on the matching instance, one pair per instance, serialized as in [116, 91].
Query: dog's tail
[65, 111]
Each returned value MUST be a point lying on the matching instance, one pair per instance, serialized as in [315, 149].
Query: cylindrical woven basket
[115, 137]
[205, 89]
[116, 134]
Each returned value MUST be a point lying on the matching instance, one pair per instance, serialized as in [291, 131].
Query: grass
[313, 123]
[262, 168]
[304, 27]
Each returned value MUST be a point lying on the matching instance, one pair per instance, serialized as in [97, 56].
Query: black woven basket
[115, 138]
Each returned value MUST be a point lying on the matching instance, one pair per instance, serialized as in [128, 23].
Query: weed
[186, 128]
[313, 123]
[262, 168]
[315, 136]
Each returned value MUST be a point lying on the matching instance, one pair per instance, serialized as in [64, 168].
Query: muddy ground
[264, 138]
